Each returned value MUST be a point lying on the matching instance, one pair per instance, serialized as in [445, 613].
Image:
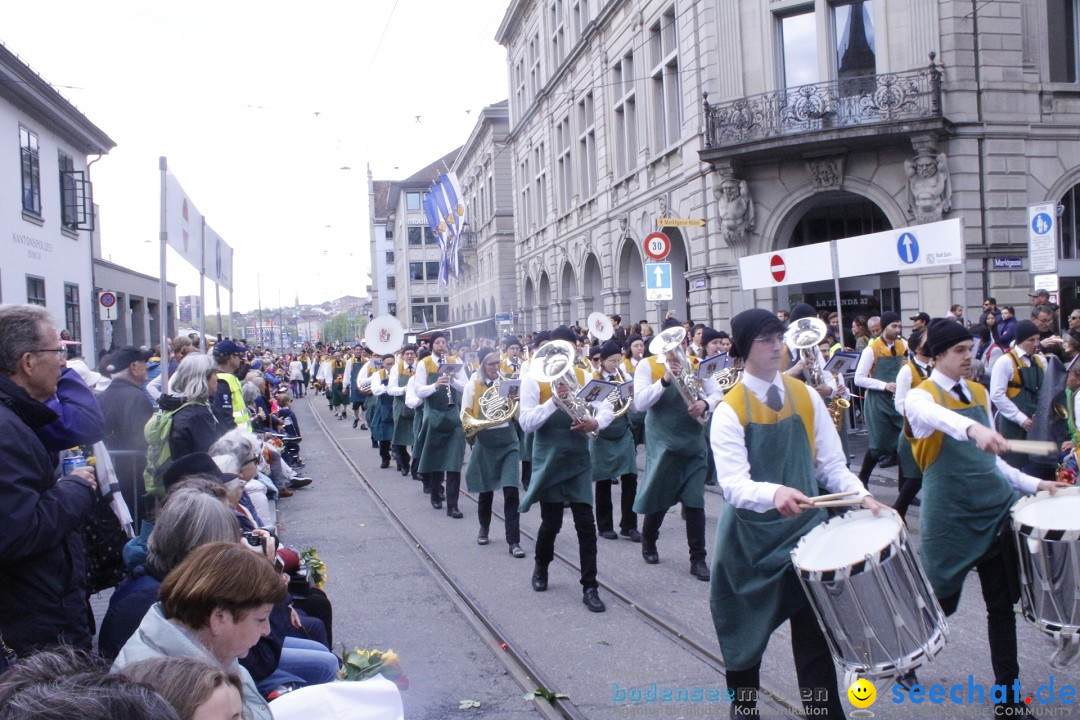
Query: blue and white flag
[455, 200]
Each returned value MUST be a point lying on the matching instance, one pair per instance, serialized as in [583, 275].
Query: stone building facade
[823, 119]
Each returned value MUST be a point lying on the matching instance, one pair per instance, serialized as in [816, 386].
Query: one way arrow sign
[658, 282]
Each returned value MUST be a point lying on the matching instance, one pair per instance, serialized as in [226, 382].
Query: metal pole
[258, 280]
[836, 289]
[202, 289]
[163, 285]
[230, 314]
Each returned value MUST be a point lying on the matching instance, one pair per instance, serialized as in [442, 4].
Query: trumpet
[494, 410]
[554, 364]
[669, 344]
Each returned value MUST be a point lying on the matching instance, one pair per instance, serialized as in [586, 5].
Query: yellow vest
[239, 408]
[545, 388]
[928, 448]
[762, 414]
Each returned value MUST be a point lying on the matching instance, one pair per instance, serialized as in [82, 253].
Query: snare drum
[870, 594]
[1047, 531]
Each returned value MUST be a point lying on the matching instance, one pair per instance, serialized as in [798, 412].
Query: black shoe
[700, 570]
[915, 502]
[363, 426]
[299, 482]
[516, 551]
[907, 680]
[404, 471]
[416, 476]
[632, 534]
[436, 502]
[355, 423]
[648, 551]
[374, 442]
[482, 537]
[385, 464]
[608, 535]
[592, 600]
[539, 578]
[888, 461]
[454, 513]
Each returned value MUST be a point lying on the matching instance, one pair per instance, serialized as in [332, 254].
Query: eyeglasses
[60, 351]
[253, 460]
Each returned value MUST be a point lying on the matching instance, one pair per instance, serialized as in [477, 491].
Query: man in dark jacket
[43, 593]
[127, 408]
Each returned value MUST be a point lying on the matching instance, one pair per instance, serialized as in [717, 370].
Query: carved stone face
[926, 166]
[663, 206]
[731, 190]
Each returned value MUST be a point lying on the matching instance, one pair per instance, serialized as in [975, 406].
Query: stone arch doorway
[567, 294]
[631, 284]
[832, 216]
[593, 290]
[680, 286]
[530, 305]
[543, 306]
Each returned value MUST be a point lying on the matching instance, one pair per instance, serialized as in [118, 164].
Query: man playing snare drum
[754, 585]
[967, 491]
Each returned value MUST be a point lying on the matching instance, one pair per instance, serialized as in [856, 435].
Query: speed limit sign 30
[657, 246]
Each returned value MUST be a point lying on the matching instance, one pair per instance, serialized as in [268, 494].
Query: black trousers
[401, 456]
[695, 530]
[1000, 618]
[909, 488]
[453, 488]
[604, 519]
[526, 473]
[813, 667]
[511, 516]
[551, 517]
[384, 451]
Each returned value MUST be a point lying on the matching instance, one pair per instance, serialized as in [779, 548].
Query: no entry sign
[777, 268]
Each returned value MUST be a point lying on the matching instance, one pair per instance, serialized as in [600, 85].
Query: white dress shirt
[904, 379]
[1000, 375]
[866, 363]
[412, 400]
[532, 413]
[924, 416]
[395, 387]
[377, 387]
[426, 390]
[728, 439]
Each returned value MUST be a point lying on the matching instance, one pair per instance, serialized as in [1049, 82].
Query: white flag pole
[217, 289]
[230, 315]
[836, 289]
[163, 305]
[202, 290]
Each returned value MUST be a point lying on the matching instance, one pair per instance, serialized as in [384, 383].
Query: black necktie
[773, 400]
[958, 388]
[893, 349]
[514, 367]
[440, 362]
[409, 369]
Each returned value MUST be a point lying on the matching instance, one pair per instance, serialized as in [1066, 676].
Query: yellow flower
[390, 657]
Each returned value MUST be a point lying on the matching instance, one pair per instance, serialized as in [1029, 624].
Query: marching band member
[400, 374]
[561, 474]
[1015, 381]
[382, 416]
[675, 460]
[351, 381]
[614, 456]
[876, 372]
[914, 372]
[635, 353]
[754, 585]
[511, 361]
[416, 403]
[967, 492]
[540, 339]
[443, 437]
[494, 461]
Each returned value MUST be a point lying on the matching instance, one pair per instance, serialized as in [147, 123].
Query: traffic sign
[804, 264]
[657, 245]
[107, 305]
[658, 282]
[504, 318]
[680, 222]
[778, 268]
[1042, 238]
[907, 247]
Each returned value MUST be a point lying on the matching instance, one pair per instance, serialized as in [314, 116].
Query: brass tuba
[804, 335]
[669, 344]
[554, 364]
[494, 410]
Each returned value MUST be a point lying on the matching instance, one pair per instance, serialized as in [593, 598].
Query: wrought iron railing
[849, 102]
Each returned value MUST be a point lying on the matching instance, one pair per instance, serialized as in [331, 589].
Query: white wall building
[383, 279]
[46, 203]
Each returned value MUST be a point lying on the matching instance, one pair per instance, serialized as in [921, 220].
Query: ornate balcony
[867, 102]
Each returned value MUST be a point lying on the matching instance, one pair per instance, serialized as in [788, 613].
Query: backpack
[158, 454]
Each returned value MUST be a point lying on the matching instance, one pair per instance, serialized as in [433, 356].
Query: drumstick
[834, 496]
[849, 502]
[1033, 447]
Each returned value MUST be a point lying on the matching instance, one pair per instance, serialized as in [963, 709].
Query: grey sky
[258, 106]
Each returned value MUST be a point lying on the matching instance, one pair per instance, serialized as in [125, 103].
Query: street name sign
[680, 222]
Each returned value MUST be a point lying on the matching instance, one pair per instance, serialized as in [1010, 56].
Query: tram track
[520, 667]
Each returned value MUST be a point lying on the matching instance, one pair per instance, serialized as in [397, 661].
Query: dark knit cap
[708, 335]
[610, 348]
[800, 311]
[483, 353]
[748, 325]
[541, 337]
[631, 339]
[511, 340]
[888, 318]
[942, 334]
[670, 323]
[435, 336]
[563, 333]
[1025, 329]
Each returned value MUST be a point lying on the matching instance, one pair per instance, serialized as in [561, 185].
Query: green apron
[418, 437]
[403, 416]
[613, 453]
[337, 393]
[908, 466]
[754, 585]
[561, 469]
[675, 463]
[355, 394]
[382, 415]
[443, 437]
[1026, 401]
[965, 501]
[494, 461]
[882, 421]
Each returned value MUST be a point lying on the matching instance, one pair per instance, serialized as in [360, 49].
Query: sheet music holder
[509, 388]
[711, 365]
[596, 390]
[451, 369]
[626, 390]
[842, 362]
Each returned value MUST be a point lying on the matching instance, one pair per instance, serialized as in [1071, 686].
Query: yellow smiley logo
[862, 693]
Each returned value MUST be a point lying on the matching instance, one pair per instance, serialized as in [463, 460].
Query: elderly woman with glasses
[239, 452]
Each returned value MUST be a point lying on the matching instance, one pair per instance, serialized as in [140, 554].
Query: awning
[420, 333]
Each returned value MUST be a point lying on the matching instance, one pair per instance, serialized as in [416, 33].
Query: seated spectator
[240, 452]
[195, 688]
[65, 684]
[214, 606]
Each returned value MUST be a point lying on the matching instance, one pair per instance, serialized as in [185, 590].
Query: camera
[254, 539]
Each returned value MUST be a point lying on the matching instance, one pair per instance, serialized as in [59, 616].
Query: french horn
[494, 410]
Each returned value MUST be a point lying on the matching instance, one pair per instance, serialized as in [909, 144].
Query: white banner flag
[183, 223]
[219, 260]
